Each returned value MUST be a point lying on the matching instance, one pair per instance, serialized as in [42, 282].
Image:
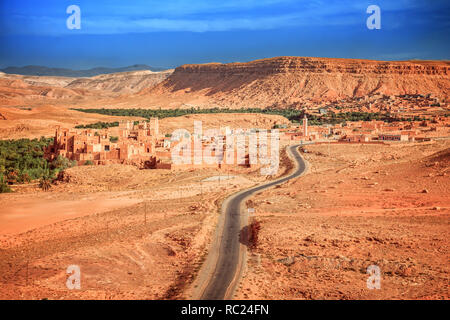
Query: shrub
[88, 163]
[254, 229]
[98, 125]
[61, 163]
[18, 157]
[4, 188]
[291, 113]
[24, 177]
[45, 182]
[12, 176]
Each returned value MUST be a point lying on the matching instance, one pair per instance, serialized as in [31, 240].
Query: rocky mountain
[62, 72]
[124, 82]
[276, 82]
[19, 89]
[16, 91]
[296, 81]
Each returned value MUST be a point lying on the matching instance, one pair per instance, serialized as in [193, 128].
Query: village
[406, 105]
[142, 144]
[374, 131]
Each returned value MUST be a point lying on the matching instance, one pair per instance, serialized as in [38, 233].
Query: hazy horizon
[173, 67]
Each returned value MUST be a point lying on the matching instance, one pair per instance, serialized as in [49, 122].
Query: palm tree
[46, 180]
[3, 185]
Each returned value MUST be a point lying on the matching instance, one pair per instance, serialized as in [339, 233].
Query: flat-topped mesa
[300, 82]
[320, 65]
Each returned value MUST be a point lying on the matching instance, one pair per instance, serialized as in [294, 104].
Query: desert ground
[143, 234]
[40, 121]
[20, 122]
[136, 234]
[359, 205]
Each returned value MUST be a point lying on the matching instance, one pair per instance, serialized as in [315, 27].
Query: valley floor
[360, 205]
[135, 234]
[143, 234]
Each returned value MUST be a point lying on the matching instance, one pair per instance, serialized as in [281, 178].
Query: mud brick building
[134, 144]
[393, 137]
[138, 144]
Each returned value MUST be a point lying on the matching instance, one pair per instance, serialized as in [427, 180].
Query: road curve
[224, 277]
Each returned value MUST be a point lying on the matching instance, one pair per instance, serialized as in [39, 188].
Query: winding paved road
[224, 277]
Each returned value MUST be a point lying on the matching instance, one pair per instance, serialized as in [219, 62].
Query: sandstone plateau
[294, 81]
[276, 82]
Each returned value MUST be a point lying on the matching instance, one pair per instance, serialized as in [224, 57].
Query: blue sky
[170, 33]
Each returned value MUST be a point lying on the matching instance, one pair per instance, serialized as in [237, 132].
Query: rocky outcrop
[320, 65]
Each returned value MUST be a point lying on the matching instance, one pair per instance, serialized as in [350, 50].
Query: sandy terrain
[32, 106]
[359, 205]
[24, 213]
[16, 123]
[136, 234]
[143, 234]
[220, 120]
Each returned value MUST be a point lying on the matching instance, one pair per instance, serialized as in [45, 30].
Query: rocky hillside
[23, 89]
[276, 82]
[17, 91]
[295, 81]
[124, 82]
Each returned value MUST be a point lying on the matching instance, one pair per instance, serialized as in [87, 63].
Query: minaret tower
[305, 126]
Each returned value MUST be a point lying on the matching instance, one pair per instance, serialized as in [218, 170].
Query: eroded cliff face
[284, 81]
[320, 65]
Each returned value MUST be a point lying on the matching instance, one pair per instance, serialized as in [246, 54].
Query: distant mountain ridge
[62, 72]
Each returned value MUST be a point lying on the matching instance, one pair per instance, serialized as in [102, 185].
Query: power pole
[27, 266]
[27, 270]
